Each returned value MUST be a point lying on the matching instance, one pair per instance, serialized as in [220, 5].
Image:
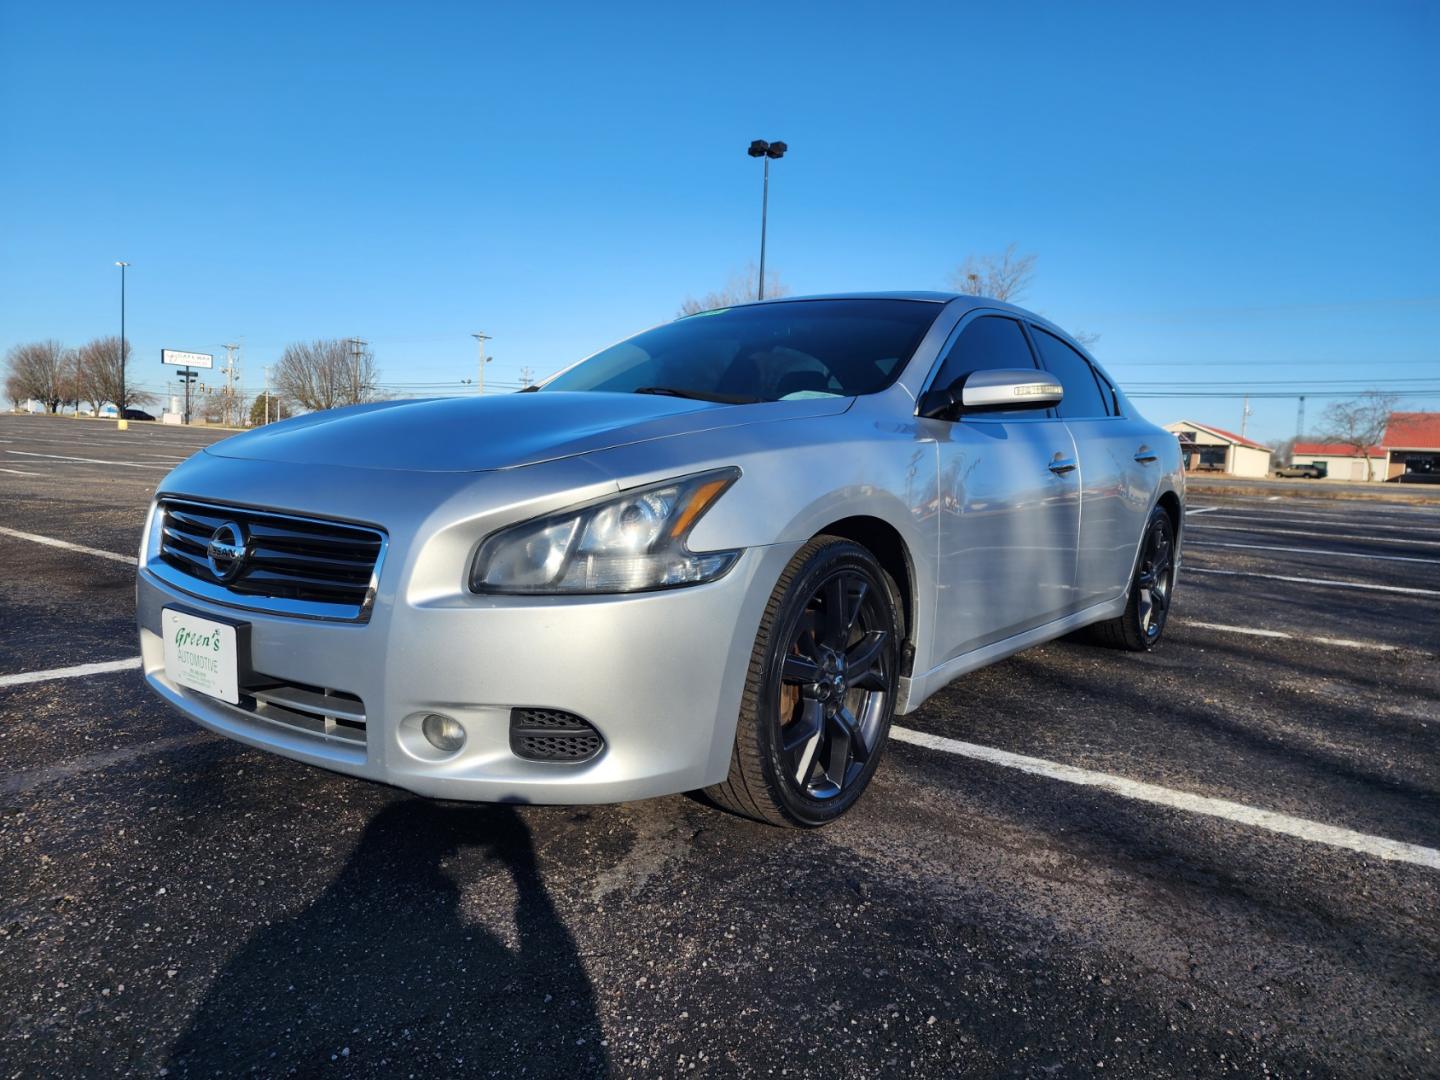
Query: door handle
[1145, 455]
[1060, 466]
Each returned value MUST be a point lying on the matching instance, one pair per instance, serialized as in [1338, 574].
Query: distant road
[1314, 489]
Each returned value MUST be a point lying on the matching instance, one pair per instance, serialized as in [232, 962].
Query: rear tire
[820, 692]
[1141, 626]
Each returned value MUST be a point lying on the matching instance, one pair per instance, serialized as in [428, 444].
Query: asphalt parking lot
[1219, 858]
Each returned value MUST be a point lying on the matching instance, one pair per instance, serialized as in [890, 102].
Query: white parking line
[1314, 551]
[76, 672]
[1296, 519]
[1347, 643]
[1253, 631]
[1318, 581]
[89, 460]
[117, 443]
[1369, 539]
[18, 783]
[1378, 846]
[20, 472]
[50, 541]
[1202, 510]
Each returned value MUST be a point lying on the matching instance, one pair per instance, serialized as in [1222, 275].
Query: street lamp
[120, 405]
[480, 340]
[767, 150]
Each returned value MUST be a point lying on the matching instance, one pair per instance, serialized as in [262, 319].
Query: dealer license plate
[201, 654]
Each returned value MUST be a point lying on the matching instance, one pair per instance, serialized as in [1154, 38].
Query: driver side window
[989, 343]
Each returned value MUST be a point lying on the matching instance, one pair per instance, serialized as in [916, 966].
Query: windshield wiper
[698, 395]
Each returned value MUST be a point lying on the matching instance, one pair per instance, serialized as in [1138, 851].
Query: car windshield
[779, 351]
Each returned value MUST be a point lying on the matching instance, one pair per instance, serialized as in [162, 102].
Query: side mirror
[997, 390]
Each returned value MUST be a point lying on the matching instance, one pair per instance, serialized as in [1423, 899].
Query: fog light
[443, 732]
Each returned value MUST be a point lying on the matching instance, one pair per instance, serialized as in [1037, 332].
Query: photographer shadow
[383, 973]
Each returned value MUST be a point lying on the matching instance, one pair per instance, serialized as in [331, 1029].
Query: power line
[1423, 392]
[1282, 382]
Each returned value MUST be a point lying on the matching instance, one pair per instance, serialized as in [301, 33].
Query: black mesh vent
[552, 735]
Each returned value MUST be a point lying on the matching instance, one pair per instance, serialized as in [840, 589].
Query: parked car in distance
[137, 414]
[1308, 470]
[722, 554]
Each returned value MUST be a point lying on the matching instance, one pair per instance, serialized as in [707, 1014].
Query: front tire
[820, 692]
[1142, 624]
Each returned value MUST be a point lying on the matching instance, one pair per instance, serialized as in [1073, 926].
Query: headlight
[628, 543]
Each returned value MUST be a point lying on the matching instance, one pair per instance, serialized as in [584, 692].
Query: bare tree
[98, 376]
[1005, 276]
[1360, 423]
[326, 374]
[15, 391]
[740, 289]
[43, 371]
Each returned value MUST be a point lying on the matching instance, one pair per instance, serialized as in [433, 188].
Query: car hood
[500, 432]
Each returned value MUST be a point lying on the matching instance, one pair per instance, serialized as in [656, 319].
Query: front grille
[293, 565]
[552, 735]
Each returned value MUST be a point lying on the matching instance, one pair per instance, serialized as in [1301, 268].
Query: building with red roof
[1409, 452]
[1412, 447]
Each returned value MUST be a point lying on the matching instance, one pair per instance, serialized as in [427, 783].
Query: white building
[1211, 449]
[1341, 462]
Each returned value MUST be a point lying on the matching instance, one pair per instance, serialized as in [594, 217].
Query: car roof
[911, 294]
[963, 300]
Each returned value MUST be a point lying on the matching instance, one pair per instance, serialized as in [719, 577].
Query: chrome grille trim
[325, 714]
[305, 567]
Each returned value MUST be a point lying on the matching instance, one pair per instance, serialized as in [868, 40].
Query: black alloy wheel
[821, 690]
[1140, 626]
[1155, 576]
[835, 685]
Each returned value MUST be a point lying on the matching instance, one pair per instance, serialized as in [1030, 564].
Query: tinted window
[989, 342]
[765, 352]
[1082, 387]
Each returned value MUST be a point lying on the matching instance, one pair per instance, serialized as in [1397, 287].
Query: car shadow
[383, 973]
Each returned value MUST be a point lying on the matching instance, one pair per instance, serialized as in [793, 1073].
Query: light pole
[120, 405]
[480, 340]
[767, 150]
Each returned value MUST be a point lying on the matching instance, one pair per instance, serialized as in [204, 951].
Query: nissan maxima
[721, 555]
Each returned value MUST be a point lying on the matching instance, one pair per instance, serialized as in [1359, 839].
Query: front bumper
[660, 675]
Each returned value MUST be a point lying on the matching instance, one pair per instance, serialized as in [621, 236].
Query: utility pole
[1245, 416]
[1300, 419]
[187, 376]
[120, 405]
[226, 407]
[357, 352]
[266, 369]
[480, 340]
[527, 376]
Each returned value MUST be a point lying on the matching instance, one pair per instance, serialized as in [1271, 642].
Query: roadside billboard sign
[187, 359]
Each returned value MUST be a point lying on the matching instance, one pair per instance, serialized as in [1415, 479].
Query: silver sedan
[722, 554]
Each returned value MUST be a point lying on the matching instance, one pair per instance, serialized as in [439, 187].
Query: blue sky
[1246, 194]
